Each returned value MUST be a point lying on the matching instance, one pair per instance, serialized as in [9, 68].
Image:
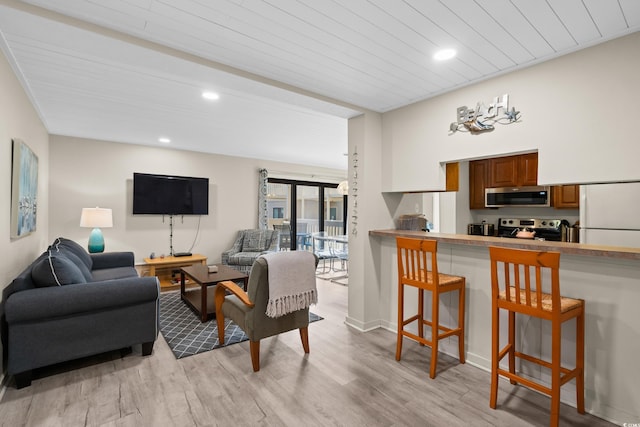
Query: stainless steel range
[546, 229]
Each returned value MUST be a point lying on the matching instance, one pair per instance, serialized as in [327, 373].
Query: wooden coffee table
[200, 300]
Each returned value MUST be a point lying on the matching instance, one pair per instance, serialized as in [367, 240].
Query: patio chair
[285, 235]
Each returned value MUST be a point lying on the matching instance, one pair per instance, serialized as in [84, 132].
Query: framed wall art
[24, 190]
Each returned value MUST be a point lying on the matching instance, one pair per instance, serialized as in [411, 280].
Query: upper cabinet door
[478, 180]
[513, 171]
[566, 196]
[528, 169]
[503, 171]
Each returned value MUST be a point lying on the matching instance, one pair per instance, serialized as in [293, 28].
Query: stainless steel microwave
[539, 196]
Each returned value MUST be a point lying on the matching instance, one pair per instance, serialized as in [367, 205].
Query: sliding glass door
[307, 215]
[300, 208]
[335, 212]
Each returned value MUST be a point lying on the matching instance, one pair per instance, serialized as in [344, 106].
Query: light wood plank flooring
[349, 379]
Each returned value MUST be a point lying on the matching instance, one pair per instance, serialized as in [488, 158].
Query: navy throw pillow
[56, 270]
[76, 249]
[71, 256]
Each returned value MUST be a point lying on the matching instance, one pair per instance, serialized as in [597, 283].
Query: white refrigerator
[610, 214]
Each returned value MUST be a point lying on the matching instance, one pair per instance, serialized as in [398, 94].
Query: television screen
[170, 195]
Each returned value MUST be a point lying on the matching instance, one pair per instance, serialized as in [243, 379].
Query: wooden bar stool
[516, 286]
[418, 267]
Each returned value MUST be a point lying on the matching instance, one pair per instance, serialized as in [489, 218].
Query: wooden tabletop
[201, 274]
[581, 249]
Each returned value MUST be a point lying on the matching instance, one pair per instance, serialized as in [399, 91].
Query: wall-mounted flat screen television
[170, 195]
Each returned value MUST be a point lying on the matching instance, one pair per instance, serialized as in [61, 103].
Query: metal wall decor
[482, 118]
[353, 192]
[263, 214]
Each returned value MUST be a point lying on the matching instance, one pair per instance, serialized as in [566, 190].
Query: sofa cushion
[55, 270]
[256, 240]
[74, 248]
[113, 273]
[244, 258]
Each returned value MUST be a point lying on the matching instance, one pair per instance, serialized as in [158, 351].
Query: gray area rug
[186, 335]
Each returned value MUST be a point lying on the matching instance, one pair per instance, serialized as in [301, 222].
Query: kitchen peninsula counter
[531, 244]
[606, 277]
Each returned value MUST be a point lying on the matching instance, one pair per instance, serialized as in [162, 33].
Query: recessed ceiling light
[444, 54]
[164, 140]
[210, 95]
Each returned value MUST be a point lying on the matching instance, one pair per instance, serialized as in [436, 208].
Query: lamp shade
[96, 218]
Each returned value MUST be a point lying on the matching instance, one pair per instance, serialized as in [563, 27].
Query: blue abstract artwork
[24, 190]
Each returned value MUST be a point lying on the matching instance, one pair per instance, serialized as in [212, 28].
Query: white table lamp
[96, 218]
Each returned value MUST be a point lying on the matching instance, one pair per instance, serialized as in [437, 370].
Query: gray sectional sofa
[69, 304]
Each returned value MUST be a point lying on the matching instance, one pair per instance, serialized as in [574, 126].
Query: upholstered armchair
[249, 309]
[249, 245]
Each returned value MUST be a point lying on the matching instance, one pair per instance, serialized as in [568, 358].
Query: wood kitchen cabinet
[453, 176]
[478, 180]
[528, 169]
[565, 196]
[503, 172]
[513, 171]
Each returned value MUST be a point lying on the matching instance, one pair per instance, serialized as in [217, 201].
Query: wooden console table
[163, 268]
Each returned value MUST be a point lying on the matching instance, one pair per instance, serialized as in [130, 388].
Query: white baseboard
[362, 326]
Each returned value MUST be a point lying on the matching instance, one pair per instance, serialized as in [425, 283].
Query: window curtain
[263, 214]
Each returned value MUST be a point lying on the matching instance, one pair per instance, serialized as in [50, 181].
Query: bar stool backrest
[417, 261]
[518, 278]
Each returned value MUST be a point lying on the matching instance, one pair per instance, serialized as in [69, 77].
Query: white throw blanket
[292, 282]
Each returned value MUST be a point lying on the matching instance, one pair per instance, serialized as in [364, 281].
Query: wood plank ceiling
[143, 63]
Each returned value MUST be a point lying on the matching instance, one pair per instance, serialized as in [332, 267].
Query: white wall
[372, 209]
[18, 119]
[577, 112]
[89, 173]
